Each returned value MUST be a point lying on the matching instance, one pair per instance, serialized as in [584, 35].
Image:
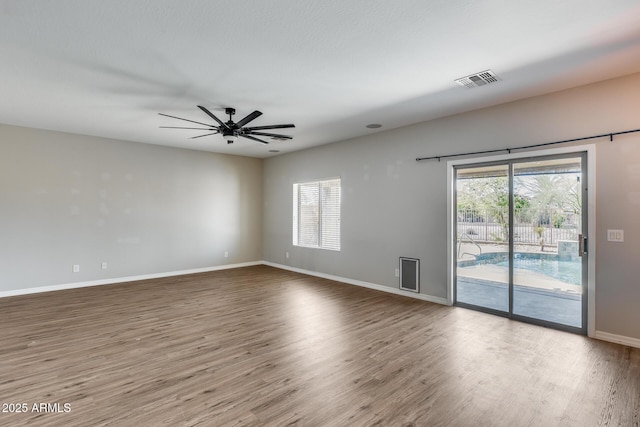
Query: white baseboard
[116, 280]
[618, 339]
[369, 285]
[101, 282]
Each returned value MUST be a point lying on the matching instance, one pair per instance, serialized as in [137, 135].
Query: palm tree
[552, 196]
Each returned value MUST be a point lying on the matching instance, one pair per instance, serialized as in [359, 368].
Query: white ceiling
[108, 68]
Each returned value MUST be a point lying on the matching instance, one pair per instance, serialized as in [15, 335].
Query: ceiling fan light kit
[231, 130]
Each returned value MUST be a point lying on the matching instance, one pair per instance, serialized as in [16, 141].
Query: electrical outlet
[615, 235]
[76, 268]
[226, 254]
[104, 265]
[286, 255]
[397, 272]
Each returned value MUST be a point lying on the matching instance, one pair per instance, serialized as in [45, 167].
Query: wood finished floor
[262, 346]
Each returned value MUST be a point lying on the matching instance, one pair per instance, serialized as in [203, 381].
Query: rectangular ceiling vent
[482, 78]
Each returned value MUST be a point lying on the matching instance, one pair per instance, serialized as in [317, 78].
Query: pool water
[565, 271]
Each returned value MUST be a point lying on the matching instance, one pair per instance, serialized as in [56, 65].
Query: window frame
[321, 240]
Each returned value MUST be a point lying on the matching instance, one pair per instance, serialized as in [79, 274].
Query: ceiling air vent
[482, 78]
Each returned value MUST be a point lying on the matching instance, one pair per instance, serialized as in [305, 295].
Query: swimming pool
[566, 270]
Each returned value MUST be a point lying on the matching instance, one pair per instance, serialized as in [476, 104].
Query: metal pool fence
[529, 227]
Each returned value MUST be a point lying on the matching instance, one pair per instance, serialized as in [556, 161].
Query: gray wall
[394, 206]
[69, 199]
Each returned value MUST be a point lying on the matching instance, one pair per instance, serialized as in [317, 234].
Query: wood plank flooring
[259, 346]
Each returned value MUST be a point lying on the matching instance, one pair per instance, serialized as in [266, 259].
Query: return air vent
[410, 274]
[482, 78]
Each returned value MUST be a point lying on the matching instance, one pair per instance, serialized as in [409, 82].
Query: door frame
[590, 151]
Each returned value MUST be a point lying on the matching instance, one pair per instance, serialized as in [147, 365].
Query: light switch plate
[615, 235]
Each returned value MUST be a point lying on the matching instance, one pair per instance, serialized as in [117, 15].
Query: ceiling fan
[230, 131]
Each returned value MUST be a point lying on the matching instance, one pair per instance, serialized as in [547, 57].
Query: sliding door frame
[590, 212]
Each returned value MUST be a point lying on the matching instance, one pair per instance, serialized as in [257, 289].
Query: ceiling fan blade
[186, 120]
[254, 138]
[272, 135]
[271, 127]
[182, 127]
[207, 134]
[247, 119]
[210, 114]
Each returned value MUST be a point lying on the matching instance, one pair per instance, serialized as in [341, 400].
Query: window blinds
[316, 214]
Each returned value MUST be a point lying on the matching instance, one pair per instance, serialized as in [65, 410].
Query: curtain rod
[509, 150]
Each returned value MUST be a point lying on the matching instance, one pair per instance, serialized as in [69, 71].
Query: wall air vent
[410, 274]
[482, 78]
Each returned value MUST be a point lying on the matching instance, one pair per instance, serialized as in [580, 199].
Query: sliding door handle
[582, 245]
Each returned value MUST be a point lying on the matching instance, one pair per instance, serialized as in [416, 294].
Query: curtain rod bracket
[611, 137]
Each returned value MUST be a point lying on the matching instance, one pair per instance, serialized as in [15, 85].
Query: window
[316, 214]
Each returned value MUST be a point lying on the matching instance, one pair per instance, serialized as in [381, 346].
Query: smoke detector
[482, 78]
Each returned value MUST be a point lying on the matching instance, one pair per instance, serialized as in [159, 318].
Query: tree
[490, 195]
[549, 193]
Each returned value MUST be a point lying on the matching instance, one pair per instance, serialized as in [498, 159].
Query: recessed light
[274, 151]
[374, 126]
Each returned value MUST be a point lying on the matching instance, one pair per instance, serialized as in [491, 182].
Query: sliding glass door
[483, 231]
[520, 242]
